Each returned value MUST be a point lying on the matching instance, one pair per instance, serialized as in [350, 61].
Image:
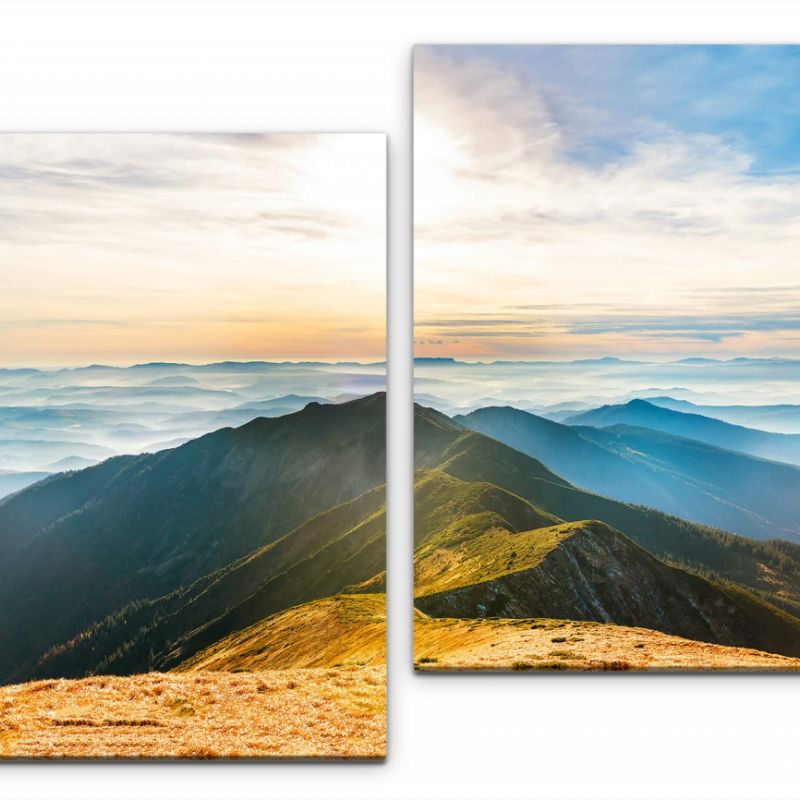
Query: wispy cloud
[286, 230]
[606, 179]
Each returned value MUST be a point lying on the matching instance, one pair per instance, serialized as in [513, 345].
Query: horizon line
[192, 364]
[598, 359]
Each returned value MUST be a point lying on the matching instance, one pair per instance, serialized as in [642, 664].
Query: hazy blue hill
[680, 476]
[561, 448]
[781, 418]
[34, 455]
[243, 413]
[71, 463]
[11, 482]
[173, 380]
[78, 546]
[640, 413]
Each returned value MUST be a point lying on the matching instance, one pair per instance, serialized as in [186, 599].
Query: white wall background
[333, 65]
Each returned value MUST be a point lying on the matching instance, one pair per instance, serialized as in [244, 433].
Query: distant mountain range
[447, 360]
[94, 412]
[782, 418]
[684, 477]
[641, 413]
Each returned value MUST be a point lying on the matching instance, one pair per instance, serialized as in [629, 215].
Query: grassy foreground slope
[307, 682]
[554, 645]
[292, 713]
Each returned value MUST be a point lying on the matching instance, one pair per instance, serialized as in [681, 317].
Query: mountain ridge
[139, 527]
[641, 413]
[679, 476]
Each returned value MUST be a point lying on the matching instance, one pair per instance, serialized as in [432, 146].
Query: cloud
[286, 229]
[675, 222]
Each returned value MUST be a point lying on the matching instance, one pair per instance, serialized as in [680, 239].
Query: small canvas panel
[192, 446]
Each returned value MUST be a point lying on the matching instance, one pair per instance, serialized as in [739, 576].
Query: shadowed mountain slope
[78, 547]
[341, 546]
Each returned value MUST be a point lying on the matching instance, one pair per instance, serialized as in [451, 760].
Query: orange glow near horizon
[124, 248]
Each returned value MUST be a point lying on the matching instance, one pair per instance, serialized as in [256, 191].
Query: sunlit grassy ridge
[340, 630]
[448, 562]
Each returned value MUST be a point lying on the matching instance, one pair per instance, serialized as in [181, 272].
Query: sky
[124, 248]
[587, 201]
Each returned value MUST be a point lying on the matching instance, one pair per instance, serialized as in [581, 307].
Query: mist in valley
[55, 420]
[762, 393]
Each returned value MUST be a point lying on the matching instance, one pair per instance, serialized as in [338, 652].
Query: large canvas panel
[192, 445]
[606, 376]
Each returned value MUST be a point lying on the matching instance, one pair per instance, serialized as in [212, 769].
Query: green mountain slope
[699, 482]
[588, 571]
[770, 568]
[78, 547]
[323, 556]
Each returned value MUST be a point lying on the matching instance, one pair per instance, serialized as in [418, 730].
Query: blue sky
[581, 201]
[607, 97]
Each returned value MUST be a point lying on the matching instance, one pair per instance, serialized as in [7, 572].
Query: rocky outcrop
[598, 574]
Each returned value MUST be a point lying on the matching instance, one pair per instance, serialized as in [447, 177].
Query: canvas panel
[606, 376]
[192, 445]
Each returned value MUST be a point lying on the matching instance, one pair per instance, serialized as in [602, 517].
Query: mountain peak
[638, 402]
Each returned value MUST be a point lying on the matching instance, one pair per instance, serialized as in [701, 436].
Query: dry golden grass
[307, 682]
[546, 644]
[345, 629]
[328, 713]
